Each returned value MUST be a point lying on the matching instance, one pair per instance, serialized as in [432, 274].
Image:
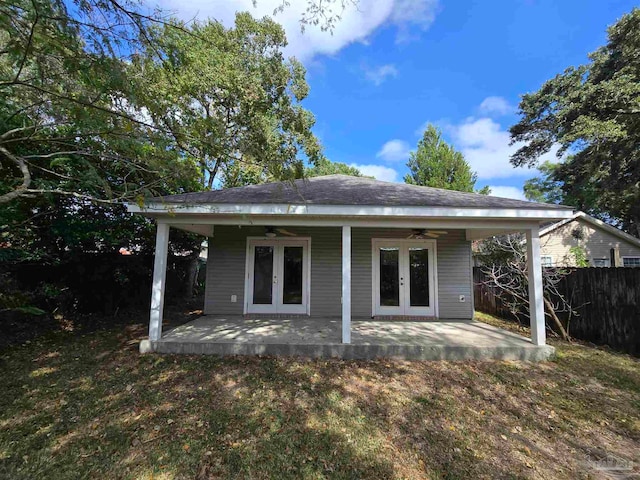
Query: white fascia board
[360, 222]
[348, 210]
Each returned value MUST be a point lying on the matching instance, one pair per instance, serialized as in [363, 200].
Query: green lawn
[91, 407]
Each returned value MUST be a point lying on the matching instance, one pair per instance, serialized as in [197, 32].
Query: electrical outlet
[462, 299]
[234, 298]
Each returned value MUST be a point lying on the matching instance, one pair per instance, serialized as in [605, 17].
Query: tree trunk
[191, 277]
[556, 320]
[212, 174]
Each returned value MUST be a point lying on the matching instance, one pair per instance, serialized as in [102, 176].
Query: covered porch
[322, 338]
[344, 266]
[452, 335]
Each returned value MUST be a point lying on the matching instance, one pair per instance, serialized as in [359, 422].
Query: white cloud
[496, 105]
[377, 171]
[355, 25]
[507, 192]
[416, 13]
[378, 75]
[485, 145]
[394, 151]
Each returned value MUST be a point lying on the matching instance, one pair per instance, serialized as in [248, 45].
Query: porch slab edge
[529, 353]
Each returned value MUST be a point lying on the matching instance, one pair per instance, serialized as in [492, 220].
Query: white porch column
[159, 277]
[346, 284]
[536, 303]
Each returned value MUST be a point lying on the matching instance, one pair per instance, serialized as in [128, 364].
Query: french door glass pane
[263, 275]
[418, 277]
[292, 281]
[389, 273]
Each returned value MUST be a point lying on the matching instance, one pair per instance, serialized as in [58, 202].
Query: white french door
[404, 277]
[277, 276]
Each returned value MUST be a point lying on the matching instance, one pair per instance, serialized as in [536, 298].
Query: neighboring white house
[603, 245]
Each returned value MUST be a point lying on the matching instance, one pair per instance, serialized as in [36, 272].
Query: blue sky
[391, 66]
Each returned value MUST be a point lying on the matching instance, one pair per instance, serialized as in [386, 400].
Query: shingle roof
[348, 190]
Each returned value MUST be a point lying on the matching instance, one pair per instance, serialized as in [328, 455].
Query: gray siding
[454, 271]
[226, 265]
[226, 269]
[455, 275]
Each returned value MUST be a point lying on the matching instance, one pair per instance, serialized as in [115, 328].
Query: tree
[240, 174]
[437, 164]
[326, 167]
[228, 96]
[545, 188]
[593, 112]
[70, 145]
[88, 113]
[505, 268]
[65, 109]
[71, 104]
[251, 173]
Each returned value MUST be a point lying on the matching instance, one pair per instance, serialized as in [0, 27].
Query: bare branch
[507, 275]
[56, 154]
[27, 48]
[66, 177]
[26, 176]
[73, 194]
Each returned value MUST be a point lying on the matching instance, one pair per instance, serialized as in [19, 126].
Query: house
[328, 257]
[583, 235]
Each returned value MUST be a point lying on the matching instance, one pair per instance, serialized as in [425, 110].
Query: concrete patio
[321, 338]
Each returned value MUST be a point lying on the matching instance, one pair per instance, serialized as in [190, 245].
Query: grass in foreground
[92, 407]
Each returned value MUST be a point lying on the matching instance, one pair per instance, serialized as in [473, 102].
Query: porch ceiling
[474, 229]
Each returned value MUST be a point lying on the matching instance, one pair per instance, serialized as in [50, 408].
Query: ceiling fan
[271, 232]
[421, 233]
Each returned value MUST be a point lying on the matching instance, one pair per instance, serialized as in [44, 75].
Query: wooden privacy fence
[608, 300]
[91, 283]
